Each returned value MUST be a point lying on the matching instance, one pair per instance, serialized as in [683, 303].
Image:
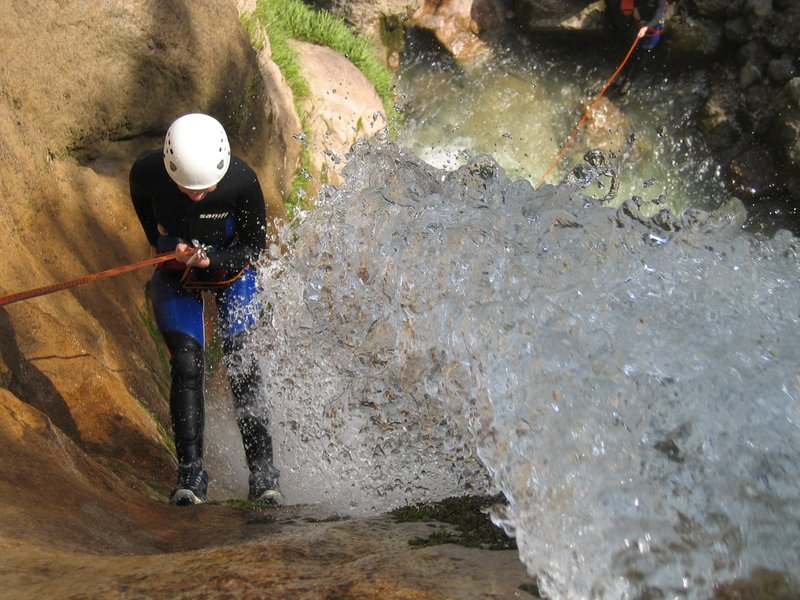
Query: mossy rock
[474, 528]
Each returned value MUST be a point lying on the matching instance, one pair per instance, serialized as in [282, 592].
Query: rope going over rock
[611, 79]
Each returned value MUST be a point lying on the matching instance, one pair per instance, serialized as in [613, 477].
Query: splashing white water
[632, 390]
[521, 105]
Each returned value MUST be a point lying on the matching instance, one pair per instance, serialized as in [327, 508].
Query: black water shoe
[264, 488]
[192, 484]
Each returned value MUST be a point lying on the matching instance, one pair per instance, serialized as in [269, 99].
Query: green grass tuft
[292, 19]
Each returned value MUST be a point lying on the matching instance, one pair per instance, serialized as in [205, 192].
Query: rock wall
[341, 107]
[752, 113]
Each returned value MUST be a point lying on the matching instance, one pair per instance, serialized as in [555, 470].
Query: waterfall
[631, 384]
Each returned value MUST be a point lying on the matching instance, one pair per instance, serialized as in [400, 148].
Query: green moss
[213, 354]
[161, 374]
[166, 438]
[468, 514]
[298, 196]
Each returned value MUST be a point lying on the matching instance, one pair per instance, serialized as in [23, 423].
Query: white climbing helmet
[196, 151]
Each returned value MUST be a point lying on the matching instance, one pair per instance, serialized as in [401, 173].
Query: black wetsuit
[232, 220]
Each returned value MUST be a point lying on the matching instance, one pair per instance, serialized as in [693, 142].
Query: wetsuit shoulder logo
[222, 215]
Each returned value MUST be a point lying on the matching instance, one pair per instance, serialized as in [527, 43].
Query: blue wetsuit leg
[238, 306]
[177, 309]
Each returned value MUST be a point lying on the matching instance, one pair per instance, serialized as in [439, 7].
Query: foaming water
[632, 388]
[520, 105]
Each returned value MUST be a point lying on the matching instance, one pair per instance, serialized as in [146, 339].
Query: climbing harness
[49, 289]
[586, 114]
[221, 278]
[201, 279]
[210, 279]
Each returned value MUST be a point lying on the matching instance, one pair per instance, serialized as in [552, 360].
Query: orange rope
[572, 135]
[49, 289]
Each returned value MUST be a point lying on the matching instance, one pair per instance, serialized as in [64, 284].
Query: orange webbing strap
[189, 282]
[639, 36]
[49, 289]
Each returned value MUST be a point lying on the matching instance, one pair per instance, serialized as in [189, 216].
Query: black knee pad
[186, 400]
[187, 358]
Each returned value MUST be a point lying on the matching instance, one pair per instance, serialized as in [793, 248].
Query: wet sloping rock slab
[294, 556]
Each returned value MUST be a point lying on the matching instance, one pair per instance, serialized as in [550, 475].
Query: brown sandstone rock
[607, 127]
[452, 23]
[342, 107]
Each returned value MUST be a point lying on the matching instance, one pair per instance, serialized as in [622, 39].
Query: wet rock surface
[73, 528]
[342, 106]
[224, 552]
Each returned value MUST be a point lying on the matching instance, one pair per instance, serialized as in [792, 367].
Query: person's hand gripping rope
[198, 258]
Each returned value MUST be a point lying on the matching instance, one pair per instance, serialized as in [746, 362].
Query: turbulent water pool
[520, 104]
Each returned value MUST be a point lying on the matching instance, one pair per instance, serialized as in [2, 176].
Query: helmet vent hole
[221, 165]
[172, 166]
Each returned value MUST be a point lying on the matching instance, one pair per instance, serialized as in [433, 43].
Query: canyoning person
[626, 19]
[629, 16]
[196, 198]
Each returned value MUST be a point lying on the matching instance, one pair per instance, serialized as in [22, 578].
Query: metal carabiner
[200, 253]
